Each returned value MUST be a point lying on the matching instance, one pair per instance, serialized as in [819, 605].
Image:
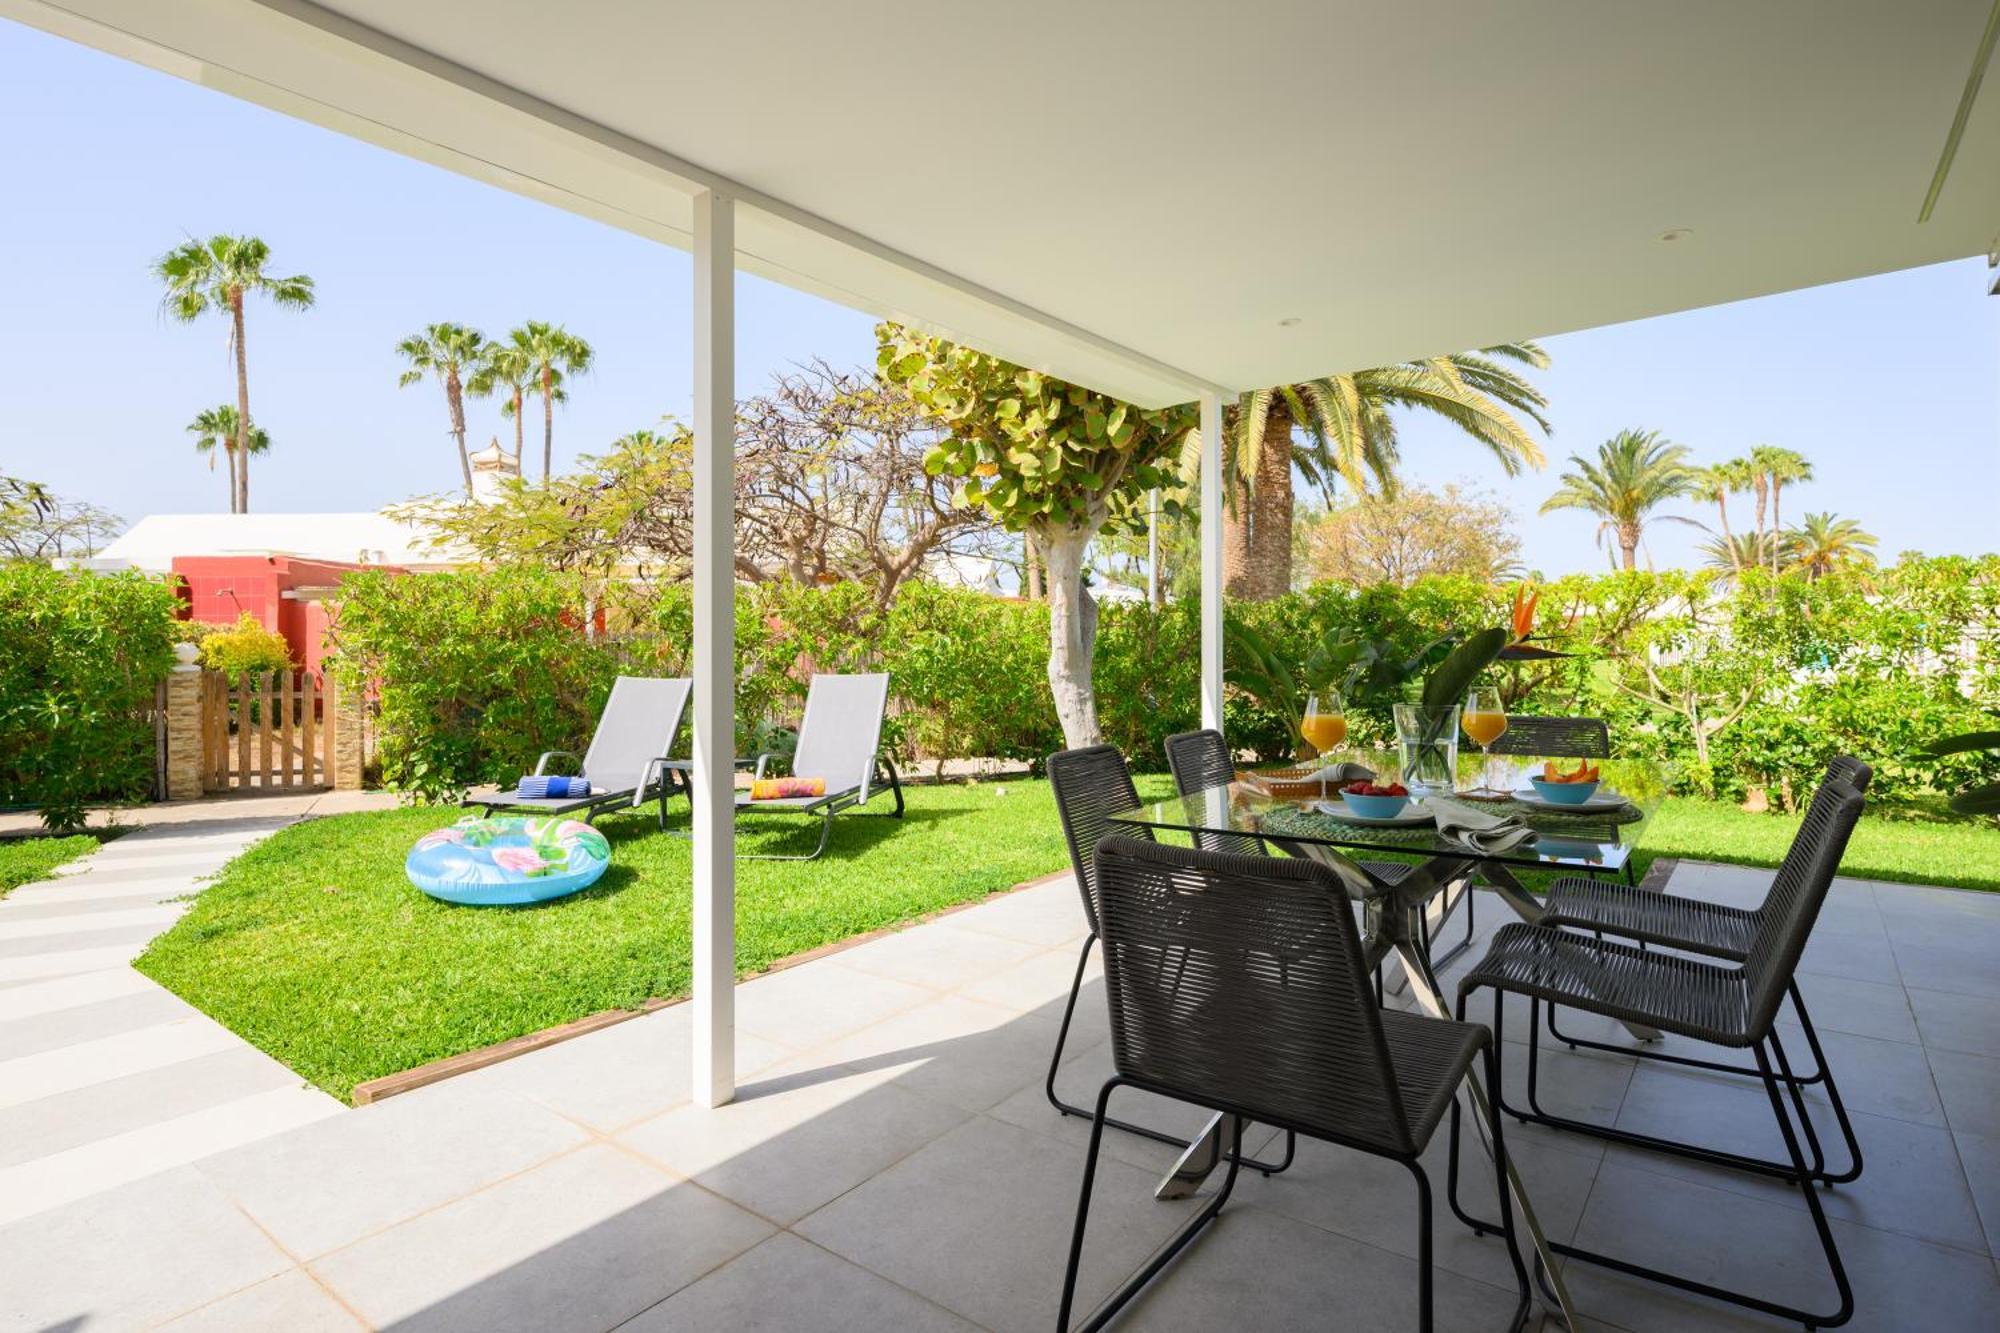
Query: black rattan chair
[1200, 760]
[1237, 983]
[1553, 737]
[1091, 784]
[1735, 1007]
[1717, 931]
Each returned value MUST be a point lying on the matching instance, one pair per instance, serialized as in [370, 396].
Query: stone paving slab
[105, 1077]
[891, 1162]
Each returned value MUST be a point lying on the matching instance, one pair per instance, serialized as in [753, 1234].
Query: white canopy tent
[1138, 196]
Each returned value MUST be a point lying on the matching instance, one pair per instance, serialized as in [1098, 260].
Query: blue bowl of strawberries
[1375, 800]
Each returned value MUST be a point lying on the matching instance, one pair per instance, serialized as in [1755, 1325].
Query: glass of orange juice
[1324, 725]
[1485, 721]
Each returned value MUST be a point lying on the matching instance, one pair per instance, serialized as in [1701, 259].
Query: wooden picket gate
[267, 730]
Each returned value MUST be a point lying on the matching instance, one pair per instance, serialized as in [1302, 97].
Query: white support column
[1211, 560]
[714, 826]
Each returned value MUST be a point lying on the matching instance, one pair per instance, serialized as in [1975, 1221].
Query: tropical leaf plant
[1450, 679]
[1360, 668]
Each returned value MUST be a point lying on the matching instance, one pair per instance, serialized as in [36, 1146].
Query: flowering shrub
[243, 647]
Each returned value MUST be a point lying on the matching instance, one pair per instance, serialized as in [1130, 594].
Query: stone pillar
[184, 733]
[344, 714]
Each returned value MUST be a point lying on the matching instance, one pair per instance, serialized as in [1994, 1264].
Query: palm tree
[1780, 467]
[216, 428]
[1635, 473]
[555, 354]
[1351, 437]
[504, 366]
[1823, 543]
[1743, 551]
[1718, 483]
[217, 274]
[451, 352]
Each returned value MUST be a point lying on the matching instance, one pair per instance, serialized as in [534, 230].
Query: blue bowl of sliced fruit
[1375, 800]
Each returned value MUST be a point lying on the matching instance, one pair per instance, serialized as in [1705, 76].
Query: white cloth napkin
[1338, 773]
[1476, 830]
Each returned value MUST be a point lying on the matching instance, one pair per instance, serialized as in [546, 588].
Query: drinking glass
[1325, 723]
[1485, 721]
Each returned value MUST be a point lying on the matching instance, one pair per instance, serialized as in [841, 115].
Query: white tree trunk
[1072, 633]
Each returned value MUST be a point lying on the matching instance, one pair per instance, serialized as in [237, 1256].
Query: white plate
[1413, 813]
[1600, 800]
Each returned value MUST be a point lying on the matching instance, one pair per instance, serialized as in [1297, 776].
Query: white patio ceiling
[1143, 196]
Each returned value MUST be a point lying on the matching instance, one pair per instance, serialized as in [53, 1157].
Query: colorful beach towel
[783, 789]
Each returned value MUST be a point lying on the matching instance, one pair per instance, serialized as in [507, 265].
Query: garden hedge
[81, 659]
[478, 672]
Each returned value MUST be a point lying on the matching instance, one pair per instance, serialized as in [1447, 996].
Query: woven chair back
[1238, 981]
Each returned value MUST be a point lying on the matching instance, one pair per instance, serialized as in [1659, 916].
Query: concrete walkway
[890, 1163]
[105, 1077]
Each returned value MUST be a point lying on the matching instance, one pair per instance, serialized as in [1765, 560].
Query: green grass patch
[313, 946]
[25, 860]
[1960, 855]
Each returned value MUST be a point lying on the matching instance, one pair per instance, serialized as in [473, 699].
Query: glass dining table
[1400, 911]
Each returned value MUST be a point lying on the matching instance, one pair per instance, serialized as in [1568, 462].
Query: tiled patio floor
[891, 1165]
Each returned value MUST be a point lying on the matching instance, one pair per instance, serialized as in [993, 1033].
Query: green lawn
[1910, 851]
[25, 860]
[313, 946]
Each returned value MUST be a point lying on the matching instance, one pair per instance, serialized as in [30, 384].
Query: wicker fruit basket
[1289, 784]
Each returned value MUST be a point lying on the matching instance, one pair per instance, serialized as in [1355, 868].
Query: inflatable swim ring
[509, 859]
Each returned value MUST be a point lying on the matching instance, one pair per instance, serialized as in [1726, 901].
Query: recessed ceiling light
[1672, 234]
[1289, 322]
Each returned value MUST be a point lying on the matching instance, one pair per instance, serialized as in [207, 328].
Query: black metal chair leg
[1799, 1103]
[1069, 1109]
[1441, 961]
[895, 786]
[1832, 1250]
[1426, 1316]
[1796, 1173]
[1083, 1200]
[1494, 1127]
[1534, 1054]
[1693, 1152]
[1477, 1227]
[1822, 1074]
[1505, 1228]
[1833, 1097]
[1062, 1033]
[1133, 1285]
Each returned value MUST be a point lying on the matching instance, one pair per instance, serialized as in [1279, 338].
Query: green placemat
[1290, 821]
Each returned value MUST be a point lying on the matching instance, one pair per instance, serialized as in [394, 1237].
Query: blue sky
[1890, 384]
